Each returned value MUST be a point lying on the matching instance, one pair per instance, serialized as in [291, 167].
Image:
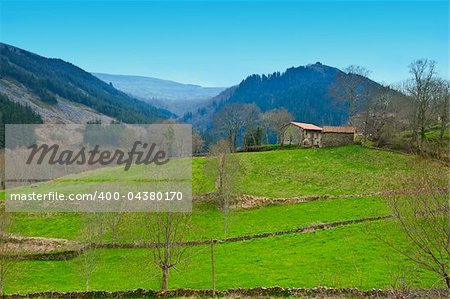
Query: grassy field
[342, 257]
[207, 221]
[285, 173]
[347, 256]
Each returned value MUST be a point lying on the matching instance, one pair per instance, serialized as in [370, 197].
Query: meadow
[353, 255]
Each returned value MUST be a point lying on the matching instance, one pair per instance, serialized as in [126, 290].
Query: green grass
[289, 173]
[332, 170]
[207, 221]
[350, 256]
[432, 134]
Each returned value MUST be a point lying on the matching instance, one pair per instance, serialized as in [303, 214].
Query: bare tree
[441, 103]
[113, 221]
[275, 119]
[229, 120]
[424, 218]
[224, 166]
[350, 88]
[420, 90]
[252, 122]
[166, 231]
[377, 116]
[234, 118]
[197, 142]
[91, 235]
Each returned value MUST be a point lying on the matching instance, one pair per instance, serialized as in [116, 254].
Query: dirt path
[27, 247]
[251, 201]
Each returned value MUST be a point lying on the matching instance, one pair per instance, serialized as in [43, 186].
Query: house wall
[306, 138]
[292, 135]
[335, 139]
[312, 138]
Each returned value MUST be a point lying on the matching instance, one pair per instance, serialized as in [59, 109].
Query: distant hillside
[62, 92]
[305, 91]
[173, 96]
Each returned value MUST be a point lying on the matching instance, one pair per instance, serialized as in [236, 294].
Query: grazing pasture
[350, 255]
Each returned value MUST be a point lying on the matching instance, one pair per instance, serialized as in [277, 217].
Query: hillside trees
[274, 119]
[352, 88]
[234, 120]
[420, 88]
[420, 103]
[50, 78]
[229, 121]
[252, 125]
[197, 142]
[303, 91]
[245, 124]
[378, 122]
[442, 105]
[14, 113]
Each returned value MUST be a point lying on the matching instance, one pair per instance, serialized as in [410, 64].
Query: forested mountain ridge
[63, 92]
[305, 91]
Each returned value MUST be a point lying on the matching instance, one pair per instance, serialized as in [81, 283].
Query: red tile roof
[306, 126]
[329, 129]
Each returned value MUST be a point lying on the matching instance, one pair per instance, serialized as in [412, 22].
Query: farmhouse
[309, 135]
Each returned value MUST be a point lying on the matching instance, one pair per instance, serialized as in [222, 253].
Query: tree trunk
[213, 273]
[230, 140]
[447, 280]
[225, 219]
[2, 275]
[165, 278]
[87, 281]
[442, 129]
[235, 140]
[422, 135]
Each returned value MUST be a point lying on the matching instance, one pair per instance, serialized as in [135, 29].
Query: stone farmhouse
[309, 135]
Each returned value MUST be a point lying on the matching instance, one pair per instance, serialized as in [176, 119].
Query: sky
[219, 43]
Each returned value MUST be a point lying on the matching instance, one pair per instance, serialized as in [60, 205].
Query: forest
[14, 113]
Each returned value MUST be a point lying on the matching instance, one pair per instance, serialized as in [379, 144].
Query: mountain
[173, 96]
[61, 92]
[305, 91]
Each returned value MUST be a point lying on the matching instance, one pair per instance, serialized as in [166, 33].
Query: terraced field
[348, 255]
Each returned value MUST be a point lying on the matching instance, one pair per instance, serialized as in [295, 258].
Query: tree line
[399, 116]
[246, 125]
[14, 113]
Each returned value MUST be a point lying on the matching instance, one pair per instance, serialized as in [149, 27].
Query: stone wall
[292, 135]
[257, 292]
[335, 139]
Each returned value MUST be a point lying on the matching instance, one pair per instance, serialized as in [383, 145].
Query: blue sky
[218, 43]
